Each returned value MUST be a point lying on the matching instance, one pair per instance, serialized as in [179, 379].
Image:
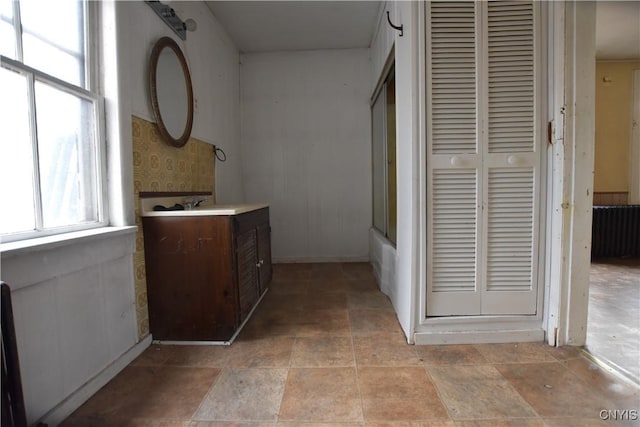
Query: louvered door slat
[510, 76]
[510, 268]
[454, 222]
[453, 77]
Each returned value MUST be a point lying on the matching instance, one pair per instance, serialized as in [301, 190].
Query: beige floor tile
[288, 272]
[259, 330]
[210, 356]
[361, 285]
[320, 286]
[554, 391]
[321, 395]
[450, 355]
[565, 353]
[244, 395]
[399, 394]
[327, 270]
[231, 424]
[436, 423]
[324, 322]
[286, 288]
[302, 424]
[357, 270]
[319, 301]
[478, 391]
[315, 352]
[374, 300]
[385, 350]
[154, 355]
[150, 392]
[122, 422]
[271, 352]
[584, 422]
[513, 422]
[374, 322]
[516, 353]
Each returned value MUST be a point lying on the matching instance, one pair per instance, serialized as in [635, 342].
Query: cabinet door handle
[261, 261]
[258, 264]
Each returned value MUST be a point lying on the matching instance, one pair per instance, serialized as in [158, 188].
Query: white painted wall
[397, 269]
[306, 150]
[382, 43]
[214, 64]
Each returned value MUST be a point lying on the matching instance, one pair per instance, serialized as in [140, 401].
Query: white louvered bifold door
[511, 159]
[483, 160]
[453, 160]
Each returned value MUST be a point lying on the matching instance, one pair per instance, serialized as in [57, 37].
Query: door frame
[634, 143]
[573, 151]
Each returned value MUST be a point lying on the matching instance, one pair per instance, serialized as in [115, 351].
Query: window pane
[7, 33]
[377, 134]
[391, 166]
[53, 38]
[67, 157]
[16, 155]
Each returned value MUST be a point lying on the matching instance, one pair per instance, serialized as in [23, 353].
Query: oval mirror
[171, 92]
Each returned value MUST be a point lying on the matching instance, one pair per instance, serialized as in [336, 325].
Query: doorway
[613, 325]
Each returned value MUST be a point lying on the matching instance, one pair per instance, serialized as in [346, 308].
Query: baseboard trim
[82, 394]
[301, 260]
[478, 337]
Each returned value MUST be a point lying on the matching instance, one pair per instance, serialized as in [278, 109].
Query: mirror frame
[169, 43]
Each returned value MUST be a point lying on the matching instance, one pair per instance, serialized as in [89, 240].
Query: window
[51, 154]
[383, 116]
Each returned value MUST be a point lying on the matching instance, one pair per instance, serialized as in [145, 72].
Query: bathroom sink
[147, 207]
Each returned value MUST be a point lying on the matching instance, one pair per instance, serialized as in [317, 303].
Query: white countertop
[205, 208]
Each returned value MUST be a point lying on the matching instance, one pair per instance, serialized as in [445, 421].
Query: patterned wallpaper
[158, 166]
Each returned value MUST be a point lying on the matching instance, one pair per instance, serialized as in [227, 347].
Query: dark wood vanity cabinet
[205, 273]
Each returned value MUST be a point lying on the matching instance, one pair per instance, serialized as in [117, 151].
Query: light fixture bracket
[168, 15]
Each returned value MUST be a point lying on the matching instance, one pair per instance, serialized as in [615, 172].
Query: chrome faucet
[194, 202]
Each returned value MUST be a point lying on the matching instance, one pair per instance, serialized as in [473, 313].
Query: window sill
[23, 247]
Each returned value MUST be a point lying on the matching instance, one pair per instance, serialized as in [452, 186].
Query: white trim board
[634, 144]
[479, 337]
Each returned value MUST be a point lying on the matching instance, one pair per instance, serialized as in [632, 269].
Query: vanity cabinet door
[247, 259]
[264, 255]
[253, 255]
[189, 278]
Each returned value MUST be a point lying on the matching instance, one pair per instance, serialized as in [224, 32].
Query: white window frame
[380, 95]
[91, 93]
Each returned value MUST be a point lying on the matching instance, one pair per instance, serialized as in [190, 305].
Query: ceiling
[618, 30]
[267, 26]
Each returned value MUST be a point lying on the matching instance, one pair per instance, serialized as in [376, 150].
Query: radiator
[615, 231]
[13, 410]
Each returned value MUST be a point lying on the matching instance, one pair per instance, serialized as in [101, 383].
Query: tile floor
[324, 348]
[613, 327]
